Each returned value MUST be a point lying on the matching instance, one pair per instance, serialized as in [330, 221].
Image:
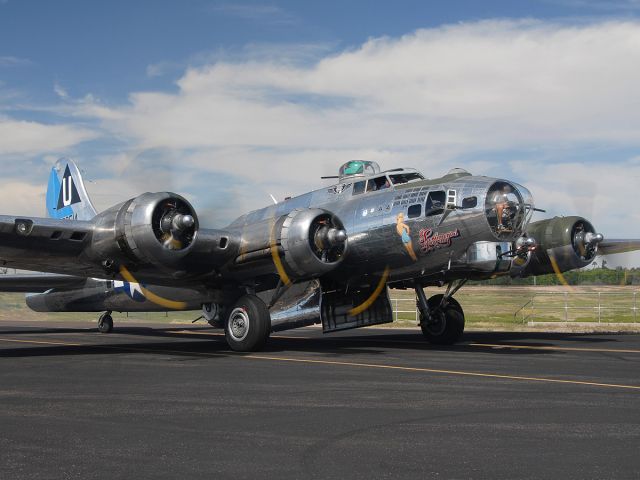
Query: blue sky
[209, 98]
[105, 48]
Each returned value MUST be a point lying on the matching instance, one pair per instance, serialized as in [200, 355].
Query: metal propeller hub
[586, 240]
[328, 239]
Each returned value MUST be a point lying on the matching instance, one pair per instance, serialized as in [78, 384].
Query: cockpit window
[435, 203]
[358, 187]
[400, 178]
[378, 183]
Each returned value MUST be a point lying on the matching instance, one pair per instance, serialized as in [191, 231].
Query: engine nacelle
[302, 244]
[153, 228]
[313, 242]
[564, 243]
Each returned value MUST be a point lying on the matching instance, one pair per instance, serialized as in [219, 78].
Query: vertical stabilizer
[66, 195]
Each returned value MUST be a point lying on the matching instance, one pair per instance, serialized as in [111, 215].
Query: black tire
[248, 324]
[105, 323]
[449, 326]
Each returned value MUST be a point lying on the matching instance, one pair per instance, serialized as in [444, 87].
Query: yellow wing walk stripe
[152, 297]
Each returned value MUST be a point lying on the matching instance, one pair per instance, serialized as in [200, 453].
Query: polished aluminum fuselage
[371, 222]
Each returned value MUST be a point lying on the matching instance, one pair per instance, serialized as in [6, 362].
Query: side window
[469, 202]
[435, 203]
[414, 211]
[358, 187]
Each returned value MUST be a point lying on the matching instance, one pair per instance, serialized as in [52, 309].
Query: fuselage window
[378, 183]
[470, 202]
[435, 203]
[358, 187]
[414, 211]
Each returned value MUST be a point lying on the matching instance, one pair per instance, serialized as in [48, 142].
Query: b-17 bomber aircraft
[326, 257]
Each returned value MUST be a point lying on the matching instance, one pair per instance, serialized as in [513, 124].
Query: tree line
[593, 276]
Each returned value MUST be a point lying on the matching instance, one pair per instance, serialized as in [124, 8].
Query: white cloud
[25, 198]
[486, 85]
[29, 138]
[604, 193]
[60, 91]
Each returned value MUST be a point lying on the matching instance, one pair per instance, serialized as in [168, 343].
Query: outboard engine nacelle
[564, 243]
[155, 228]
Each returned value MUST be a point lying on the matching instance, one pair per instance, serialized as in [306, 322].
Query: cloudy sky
[228, 102]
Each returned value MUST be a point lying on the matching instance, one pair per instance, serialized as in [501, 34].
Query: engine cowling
[567, 242]
[313, 242]
[153, 228]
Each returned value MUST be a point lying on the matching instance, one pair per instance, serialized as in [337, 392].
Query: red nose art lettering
[432, 241]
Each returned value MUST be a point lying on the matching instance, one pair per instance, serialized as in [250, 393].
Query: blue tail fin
[66, 195]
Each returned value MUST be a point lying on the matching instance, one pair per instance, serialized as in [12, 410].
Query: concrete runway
[174, 402]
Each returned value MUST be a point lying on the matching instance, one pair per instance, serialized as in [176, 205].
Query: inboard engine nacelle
[306, 243]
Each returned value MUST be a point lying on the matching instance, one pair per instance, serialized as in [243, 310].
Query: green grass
[496, 307]
[486, 307]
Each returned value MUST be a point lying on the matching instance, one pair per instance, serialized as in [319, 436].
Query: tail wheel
[447, 321]
[105, 323]
[248, 324]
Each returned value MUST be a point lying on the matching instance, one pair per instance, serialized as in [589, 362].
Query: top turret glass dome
[359, 168]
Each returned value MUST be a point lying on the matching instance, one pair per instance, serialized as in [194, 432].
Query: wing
[101, 247]
[38, 283]
[43, 244]
[609, 247]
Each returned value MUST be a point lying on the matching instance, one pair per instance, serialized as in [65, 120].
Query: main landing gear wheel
[447, 321]
[248, 324]
[105, 323]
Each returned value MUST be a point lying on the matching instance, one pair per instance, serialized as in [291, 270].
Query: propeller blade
[609, 247]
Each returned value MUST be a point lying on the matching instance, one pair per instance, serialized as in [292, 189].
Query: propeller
[174, 224]
[328, 239]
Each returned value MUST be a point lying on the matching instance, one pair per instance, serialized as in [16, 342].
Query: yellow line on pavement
[39, 342]
[447, 372]
[550, 347]
[426, 344]
[344, 364]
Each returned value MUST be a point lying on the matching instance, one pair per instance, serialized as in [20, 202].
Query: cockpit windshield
[406, 177]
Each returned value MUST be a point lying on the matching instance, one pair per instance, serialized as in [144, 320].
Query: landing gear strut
[441, 316]
[105, 323]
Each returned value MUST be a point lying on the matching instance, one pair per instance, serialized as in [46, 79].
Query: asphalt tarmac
[173, 402]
